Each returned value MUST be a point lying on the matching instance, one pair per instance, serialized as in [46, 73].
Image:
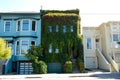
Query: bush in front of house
[68, 67]
[80, 64]
[39, 67]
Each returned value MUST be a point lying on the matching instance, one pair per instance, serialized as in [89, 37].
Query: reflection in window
[24, 47]
[25, 26]
[50, 28]
[50, 48]
[115, 37]
[7, 26]
[64, 29]
[89, 44]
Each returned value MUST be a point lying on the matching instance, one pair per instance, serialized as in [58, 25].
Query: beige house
[101, 48]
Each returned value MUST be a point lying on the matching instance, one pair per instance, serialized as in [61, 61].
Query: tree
[5, 52]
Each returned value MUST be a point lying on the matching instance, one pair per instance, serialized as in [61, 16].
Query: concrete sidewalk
[75, 76]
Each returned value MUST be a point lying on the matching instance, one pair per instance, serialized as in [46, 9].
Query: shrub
[80, 64]
[39, 67]
[68, 67]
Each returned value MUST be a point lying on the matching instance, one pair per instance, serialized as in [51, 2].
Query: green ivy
[63, 41]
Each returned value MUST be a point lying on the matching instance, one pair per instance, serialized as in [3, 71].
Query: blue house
[20, 30]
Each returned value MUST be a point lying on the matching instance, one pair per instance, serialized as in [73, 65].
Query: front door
[98, 45]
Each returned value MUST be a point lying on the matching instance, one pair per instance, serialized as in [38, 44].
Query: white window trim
[91, 44]
[4, 25]
[21, 45]
[35, 26]
[22, 25]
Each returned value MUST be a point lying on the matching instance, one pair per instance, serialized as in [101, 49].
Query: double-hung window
[57, 28]
[25, 25]
[115, 37]
[50, 28]
[24, 47]
[33, 25]
[64, 29]
[7, 26]
[71, 28]
[18, 25]
[89, 43]
[17, 47]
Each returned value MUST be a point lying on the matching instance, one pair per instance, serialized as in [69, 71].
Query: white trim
[5, 23]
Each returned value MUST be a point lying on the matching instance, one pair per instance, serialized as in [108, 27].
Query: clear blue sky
[92, 12]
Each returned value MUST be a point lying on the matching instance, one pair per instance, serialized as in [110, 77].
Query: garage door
[26, 68]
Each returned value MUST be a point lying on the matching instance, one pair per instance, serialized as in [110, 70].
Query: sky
[92, 12]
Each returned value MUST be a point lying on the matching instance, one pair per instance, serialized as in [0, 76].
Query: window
[33, 25]
[71, 28]
[50, 28]
[7, 26]
[50, 48]
[56, 50]
[18, 25]
[57, 28]
[24, 47]
[33, 43]
[25, 26]
[89, 44]
[64, 29]
[115, 37]
[17, 47]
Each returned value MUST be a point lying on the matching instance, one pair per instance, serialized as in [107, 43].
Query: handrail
[102, 56]
[111, 61]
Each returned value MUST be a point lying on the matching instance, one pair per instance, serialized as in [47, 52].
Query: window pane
[57, 28]
[33, 43]
[18, 26]
[7, 26]
[25, 26]
[57, 50]
[33, 25]
[64, 29]
[115, 37]
[89, 45]
[50, 28]
[24, 47]
[17, 47]
[71, 28]
[50, 48]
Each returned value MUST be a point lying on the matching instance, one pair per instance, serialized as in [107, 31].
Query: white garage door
[26, 68]
[91, 62]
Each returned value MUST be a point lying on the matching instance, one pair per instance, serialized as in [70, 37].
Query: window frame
[113, 37]
[28, 25]
[21, 46]
[5, 26]
[35, 25]
[87, 43]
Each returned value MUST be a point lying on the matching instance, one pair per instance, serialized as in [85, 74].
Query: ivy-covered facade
[61, 38]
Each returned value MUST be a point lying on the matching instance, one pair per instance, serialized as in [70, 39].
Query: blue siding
[14, 35]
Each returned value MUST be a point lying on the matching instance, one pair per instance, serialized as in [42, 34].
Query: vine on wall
[66, 42]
